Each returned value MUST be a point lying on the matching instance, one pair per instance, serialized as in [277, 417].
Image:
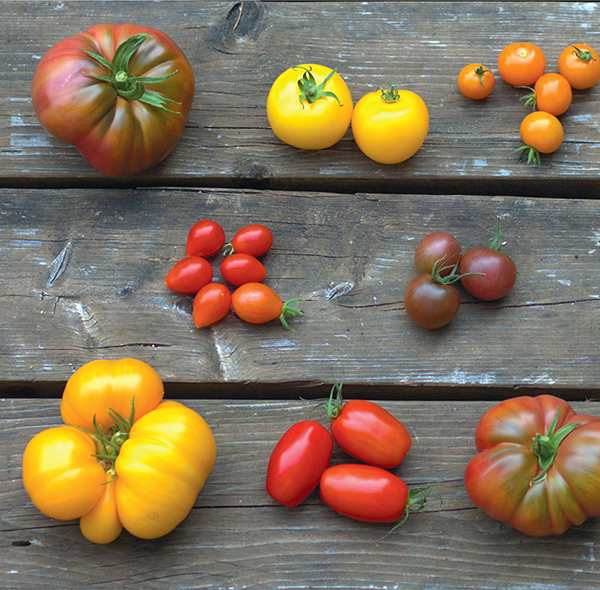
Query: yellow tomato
[102, 524]
[103, 384]
[60, 473]
[390, 125]
[309, 107]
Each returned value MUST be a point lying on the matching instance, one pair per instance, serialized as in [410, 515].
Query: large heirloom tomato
[119, 93]
[143, 475]
[538, 466]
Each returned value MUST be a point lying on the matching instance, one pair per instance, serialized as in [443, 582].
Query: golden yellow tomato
[390, 125]
[309, 107]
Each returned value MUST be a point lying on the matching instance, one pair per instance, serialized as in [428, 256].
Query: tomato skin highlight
[211, 304]
[499, 273]
[581, 73]
[240, 268]
[309, 125]
[189, 275]
[521, 64]
[205, 238]
[364, 492]
[390, 131]
[255, 239]
[434, 247]
[430, 304]
[475, 81]
[297, 462]
[536, 502]
[371, 434]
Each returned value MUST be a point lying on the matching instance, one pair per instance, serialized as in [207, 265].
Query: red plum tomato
[521, 64]
[580, 65]
[298, 461]
[189, 275]
[205, 238]
[476, 81]
[255, 239]
[211, 304]
[435, 247]
[238, 269]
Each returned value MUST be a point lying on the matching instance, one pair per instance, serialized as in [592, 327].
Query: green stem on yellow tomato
[310, 91]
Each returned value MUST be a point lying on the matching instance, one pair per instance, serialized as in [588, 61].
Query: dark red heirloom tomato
[189, 275]
[488, 273]
[238, 269]
[435, 247]
[205, 238]
[538, 465]
[298, 461]
[369, 493]
[255, 239]
[366, 431]
[211, 304]
[120, 94]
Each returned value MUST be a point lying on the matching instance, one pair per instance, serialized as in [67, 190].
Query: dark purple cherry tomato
[429, 303]
[298, 461]
[366, 431]
[189, 275]
[435, 247]
[239, 268]
[211, 304]
[254, 239]
[205, 238]
[497, 271]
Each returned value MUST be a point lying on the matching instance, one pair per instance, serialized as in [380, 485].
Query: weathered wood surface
[237, 537]
[83, 278]
[238, 49]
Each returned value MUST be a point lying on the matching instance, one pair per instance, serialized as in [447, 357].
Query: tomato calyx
[334, 405]
[416, 502]
[546, 446]
[530, 154]
[288, 311]
[441, 265]
[310, 91]
[479, 72]
[389, 94]
[125, 84]
[529, 99]
[583, 55]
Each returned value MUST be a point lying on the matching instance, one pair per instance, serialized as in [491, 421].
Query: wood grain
[238, 49]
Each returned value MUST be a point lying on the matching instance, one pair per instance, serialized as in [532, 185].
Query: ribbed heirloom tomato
[538, 465]
[309, 107]
[120, 94]
[521, 64]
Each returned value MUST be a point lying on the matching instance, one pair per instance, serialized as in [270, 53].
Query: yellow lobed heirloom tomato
[103, 384]
[309, 107]
[390, 125]
[142, 475]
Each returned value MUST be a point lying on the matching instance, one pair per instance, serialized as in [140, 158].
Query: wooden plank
[237, 537]
[83, 278]
[238, 49]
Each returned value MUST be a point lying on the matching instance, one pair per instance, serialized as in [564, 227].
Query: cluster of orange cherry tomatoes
[523, 65]
[252, 301]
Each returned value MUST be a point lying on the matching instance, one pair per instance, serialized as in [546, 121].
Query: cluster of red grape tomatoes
[366, 491]
[252, 300]
[523, 65]
[430, 298]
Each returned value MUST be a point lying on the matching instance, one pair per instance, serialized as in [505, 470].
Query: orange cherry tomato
[476, 81]
[211, 304]
[521, 64]
[542, 133]
[580, 65]
[552, 93]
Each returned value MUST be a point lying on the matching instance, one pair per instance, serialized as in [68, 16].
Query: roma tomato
[205, 238]
[488, 273]
[542, 461]
[254, 239]
[238, 269]
[476, 81]
[389, 126]
[552, 94]
[211, 304]
[542, 133]
[440, 247]
[257, 303]
[580, 65]
[366, 431]
[369, 493]
[102, 384]
[189, 275]
[309, 107]
[120, 94]
[521, 64]
[298, 461]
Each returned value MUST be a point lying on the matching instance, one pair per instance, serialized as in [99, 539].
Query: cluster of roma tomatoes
[430, 298]
[523, 65]
[310, 107]
[365, 491]
[252, 301]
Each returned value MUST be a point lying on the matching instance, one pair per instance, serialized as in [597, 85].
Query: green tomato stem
[288, 311]
[310, 91]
